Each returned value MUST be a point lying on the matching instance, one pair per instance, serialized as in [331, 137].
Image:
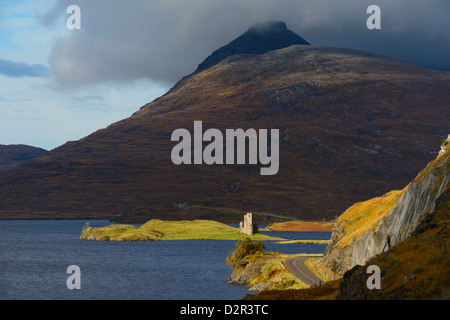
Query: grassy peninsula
[156, 230]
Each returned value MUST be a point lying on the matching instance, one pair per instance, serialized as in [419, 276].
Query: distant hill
[353, 125]
[14, 155]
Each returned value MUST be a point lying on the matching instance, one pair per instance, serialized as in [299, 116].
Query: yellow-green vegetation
[364, 216]
[120, 232]
[156, 229]
[275, 275]
[243, 249]
[261, 270]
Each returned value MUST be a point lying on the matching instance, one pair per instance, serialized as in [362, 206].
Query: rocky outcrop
[445, 146]
[264, 272]
[416, 202]
[353, 286]
[247, 273]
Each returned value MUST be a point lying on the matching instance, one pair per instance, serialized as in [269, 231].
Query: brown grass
[302, 226]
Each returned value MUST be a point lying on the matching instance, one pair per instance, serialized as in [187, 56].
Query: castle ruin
[247, 226]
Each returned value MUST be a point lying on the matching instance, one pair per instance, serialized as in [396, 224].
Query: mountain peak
[268, 26]
[260, 38]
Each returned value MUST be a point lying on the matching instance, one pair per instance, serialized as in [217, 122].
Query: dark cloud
[20, 69]
[164, 40]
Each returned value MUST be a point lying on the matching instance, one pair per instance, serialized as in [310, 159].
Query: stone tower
[247, 226]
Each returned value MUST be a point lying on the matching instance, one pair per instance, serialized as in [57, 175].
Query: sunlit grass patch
[169, 230]
[364, 216]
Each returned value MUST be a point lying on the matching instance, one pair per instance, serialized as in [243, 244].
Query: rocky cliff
[369, 228]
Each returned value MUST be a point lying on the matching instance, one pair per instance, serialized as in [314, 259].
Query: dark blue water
[34, 256]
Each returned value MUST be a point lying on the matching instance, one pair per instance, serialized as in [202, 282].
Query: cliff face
[389, 219]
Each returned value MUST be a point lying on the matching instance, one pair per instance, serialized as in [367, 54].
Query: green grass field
[155, 230]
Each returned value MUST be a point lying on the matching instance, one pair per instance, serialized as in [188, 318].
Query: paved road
[297, 267]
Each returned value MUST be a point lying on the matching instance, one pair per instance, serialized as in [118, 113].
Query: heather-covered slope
[353, 125]
[14, 155]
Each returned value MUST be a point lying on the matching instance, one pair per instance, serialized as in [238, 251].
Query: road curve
[298, 268]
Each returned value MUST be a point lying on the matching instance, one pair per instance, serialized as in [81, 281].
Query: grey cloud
[164, 40]
[20, 69]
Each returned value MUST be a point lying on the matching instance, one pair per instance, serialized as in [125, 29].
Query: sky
[59, 84]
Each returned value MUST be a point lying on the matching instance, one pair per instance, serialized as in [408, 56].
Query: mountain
[260, 38]
[352, 125]
[14, 155]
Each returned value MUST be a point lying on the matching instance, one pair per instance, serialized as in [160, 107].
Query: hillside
[352, 125]
[372, 227]
[14, 155]
[416, 266]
